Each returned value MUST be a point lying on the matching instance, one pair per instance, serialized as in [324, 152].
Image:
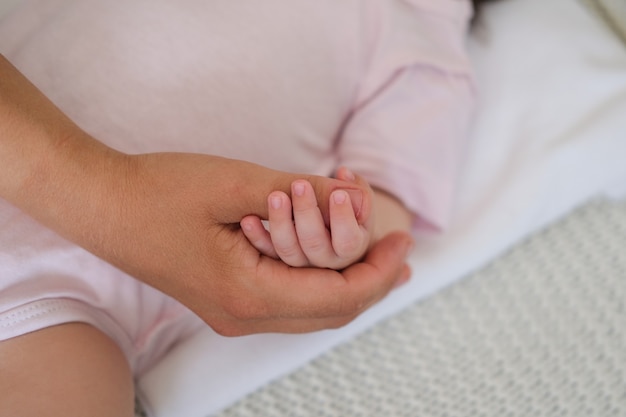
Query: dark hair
[478, 3]
[477, 6]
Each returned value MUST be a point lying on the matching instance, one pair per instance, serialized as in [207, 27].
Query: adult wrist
[49, 167]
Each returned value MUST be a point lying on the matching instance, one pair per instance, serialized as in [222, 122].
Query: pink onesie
[381, 86]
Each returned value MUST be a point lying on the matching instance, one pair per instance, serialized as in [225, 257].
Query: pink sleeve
[410, 118]
[410, 138]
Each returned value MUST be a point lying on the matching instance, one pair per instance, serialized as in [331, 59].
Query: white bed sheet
[550, 134]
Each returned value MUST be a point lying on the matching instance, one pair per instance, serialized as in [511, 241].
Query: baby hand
[298, 234]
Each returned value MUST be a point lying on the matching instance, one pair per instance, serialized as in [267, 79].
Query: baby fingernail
[348, 175]
[298, 189]
[246, 226]
[340, 196]
[276, 202]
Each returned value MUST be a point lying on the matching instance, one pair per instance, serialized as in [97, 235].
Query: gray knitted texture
[539, 332]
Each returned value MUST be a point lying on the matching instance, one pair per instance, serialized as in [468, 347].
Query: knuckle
[348, 247]
[313, 243]
[287, 250]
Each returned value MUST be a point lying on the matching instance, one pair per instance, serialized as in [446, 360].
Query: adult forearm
[49, 167]
[30, 128]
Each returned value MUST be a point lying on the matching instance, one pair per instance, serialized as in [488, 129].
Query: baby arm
[300, 236]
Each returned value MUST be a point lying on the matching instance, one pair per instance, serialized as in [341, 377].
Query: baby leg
[66, 370]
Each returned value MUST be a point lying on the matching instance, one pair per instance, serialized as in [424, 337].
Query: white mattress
[550, 134]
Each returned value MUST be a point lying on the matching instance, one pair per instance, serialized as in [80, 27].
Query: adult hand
[171, 220]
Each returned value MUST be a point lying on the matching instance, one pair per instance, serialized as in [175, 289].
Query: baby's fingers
[283, 231]
[313, 235]
[258, 237]
[349, 239]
